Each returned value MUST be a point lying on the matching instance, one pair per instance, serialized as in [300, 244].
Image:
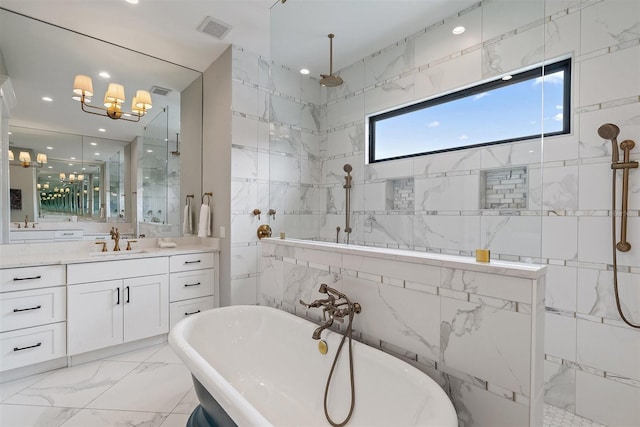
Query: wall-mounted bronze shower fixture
[264, 231]
[347, 187]
[611, 132]
[257, 212]
[272, 214]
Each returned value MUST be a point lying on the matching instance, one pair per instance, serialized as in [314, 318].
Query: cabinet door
[94, 315]
[146, 307]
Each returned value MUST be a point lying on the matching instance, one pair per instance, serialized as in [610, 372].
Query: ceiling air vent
[157, 90]
[215, 28]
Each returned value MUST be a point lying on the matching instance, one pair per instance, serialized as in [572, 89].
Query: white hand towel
[204, 223]
[187, 224]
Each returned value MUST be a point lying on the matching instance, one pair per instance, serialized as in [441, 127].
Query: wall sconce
[38, 186]
[96, 188]
[62, 176]
[25, 159]
[41, 158]
[72, 178]
[11, 158]
[80, 177]
[113, 100]
[46, 186]
[66, 190]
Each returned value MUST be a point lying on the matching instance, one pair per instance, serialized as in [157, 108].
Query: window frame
[531, 74]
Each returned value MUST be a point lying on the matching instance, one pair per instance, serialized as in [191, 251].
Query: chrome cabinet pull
[17, 310]
[192, 262]
[25, 348]
[193, 312]
[186, 285]
[15, 279]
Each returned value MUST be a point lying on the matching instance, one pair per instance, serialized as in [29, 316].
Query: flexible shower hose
[615, 255]
[348, 333]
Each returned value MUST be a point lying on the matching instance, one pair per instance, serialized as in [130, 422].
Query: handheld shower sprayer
[611, 132]
[347, 186]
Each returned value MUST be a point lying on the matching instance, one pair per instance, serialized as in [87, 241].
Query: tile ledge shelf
[504, 268]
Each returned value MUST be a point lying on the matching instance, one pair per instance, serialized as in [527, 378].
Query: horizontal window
[508, 109]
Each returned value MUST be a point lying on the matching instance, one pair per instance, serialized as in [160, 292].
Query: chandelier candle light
[113, 100]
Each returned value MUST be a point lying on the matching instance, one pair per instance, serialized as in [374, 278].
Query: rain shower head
[611, 132]
[329, 80]
[347, 168]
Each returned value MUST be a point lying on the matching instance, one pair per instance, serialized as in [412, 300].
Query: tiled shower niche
[402, 194]
[504, 188]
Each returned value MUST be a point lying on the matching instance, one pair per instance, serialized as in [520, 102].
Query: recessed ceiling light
[458, 30]
[47, 99]
[70, 164]
[9, 133]
[132, 1]
[149, 151]
[84, 169]
[304, 71]
[72, 158]
[49, 148]
[93, 143]
[104, 75]
[50, 167]
[507, 77]
[102, 130]
[96, 154]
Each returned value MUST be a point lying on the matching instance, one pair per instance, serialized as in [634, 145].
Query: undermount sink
[118, 253]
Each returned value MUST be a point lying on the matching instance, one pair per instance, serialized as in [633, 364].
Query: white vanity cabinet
[32, 315]
[114, 302]
[192, 284]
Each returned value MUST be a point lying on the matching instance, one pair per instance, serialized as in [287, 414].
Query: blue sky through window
[507, 112]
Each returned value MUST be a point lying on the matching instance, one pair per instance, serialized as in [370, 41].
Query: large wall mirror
[86, 168]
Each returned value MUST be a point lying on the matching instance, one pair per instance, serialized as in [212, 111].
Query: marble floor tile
[34, 416]
[137, 355]
[151, 387]
[73, 387]
[176, 420]
[188, 403]
[10, 388]
[164, 355]
[556, 417]
[104, 418]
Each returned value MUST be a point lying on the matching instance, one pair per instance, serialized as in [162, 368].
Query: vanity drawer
[113, 270]
[191, 284]
[188, 262]
[183, 309]
[32, 345]
[22, 278]
[34, 307]
[68, 235]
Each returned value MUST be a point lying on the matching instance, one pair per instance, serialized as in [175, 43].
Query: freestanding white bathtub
[262, 368]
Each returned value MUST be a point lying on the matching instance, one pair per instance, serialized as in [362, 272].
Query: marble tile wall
[566, 224]
[434, 316]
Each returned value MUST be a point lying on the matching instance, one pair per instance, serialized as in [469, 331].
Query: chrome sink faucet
[337, 306]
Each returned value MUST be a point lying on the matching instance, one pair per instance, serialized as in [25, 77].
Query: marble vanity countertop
[505, 268]
[36, 254]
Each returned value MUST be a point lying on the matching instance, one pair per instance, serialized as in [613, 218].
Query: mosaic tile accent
[403, 194]
[556, 417]
[504, 188]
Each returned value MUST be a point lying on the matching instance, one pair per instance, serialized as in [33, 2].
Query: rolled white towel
[187, 224]
[204, 222]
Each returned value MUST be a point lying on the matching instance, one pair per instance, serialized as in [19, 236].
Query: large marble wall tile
[618, 69]
[333, 170]
[596, 295]
[595, 239]
[288, 223]
[514, 235]
[451, 193]
[336, 198]
[498, 339]
[562, 147]
[244, 66]
[560, 336]
[396, 169]
[244, 163]
[476, 407]
[378, 196]
[608, 402]
[313, 199]
[456, 73]
[560, 237]
[346, 111]
[397, 229]
[627, 117]
[447, 232]
[560, 386]
[438, 42]
[244, 291]
[310, 90]
[325, 258]
[502, 16]
[454, 161]
[514, 53]
[23, 415]
[353, 78]
[346, 141]
[519, 153]
[302, 283]
[561, 287]
[595, 186]
[560, 188]
[310, 145]
[610, 348]
[286, 81]
[418, 273]
[504, 287]
[389, 63]
[562, 36]
[244, 260]
[405, 318]
[609, 23]
[244, 131]
[286, 110]
[312, 117]
[270, 281]
[283, 139]
[390, 95]
[284, 197]
[284, 168]
[244, 196]
[244, 99]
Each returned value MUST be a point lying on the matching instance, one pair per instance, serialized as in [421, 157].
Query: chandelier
[113, 100]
